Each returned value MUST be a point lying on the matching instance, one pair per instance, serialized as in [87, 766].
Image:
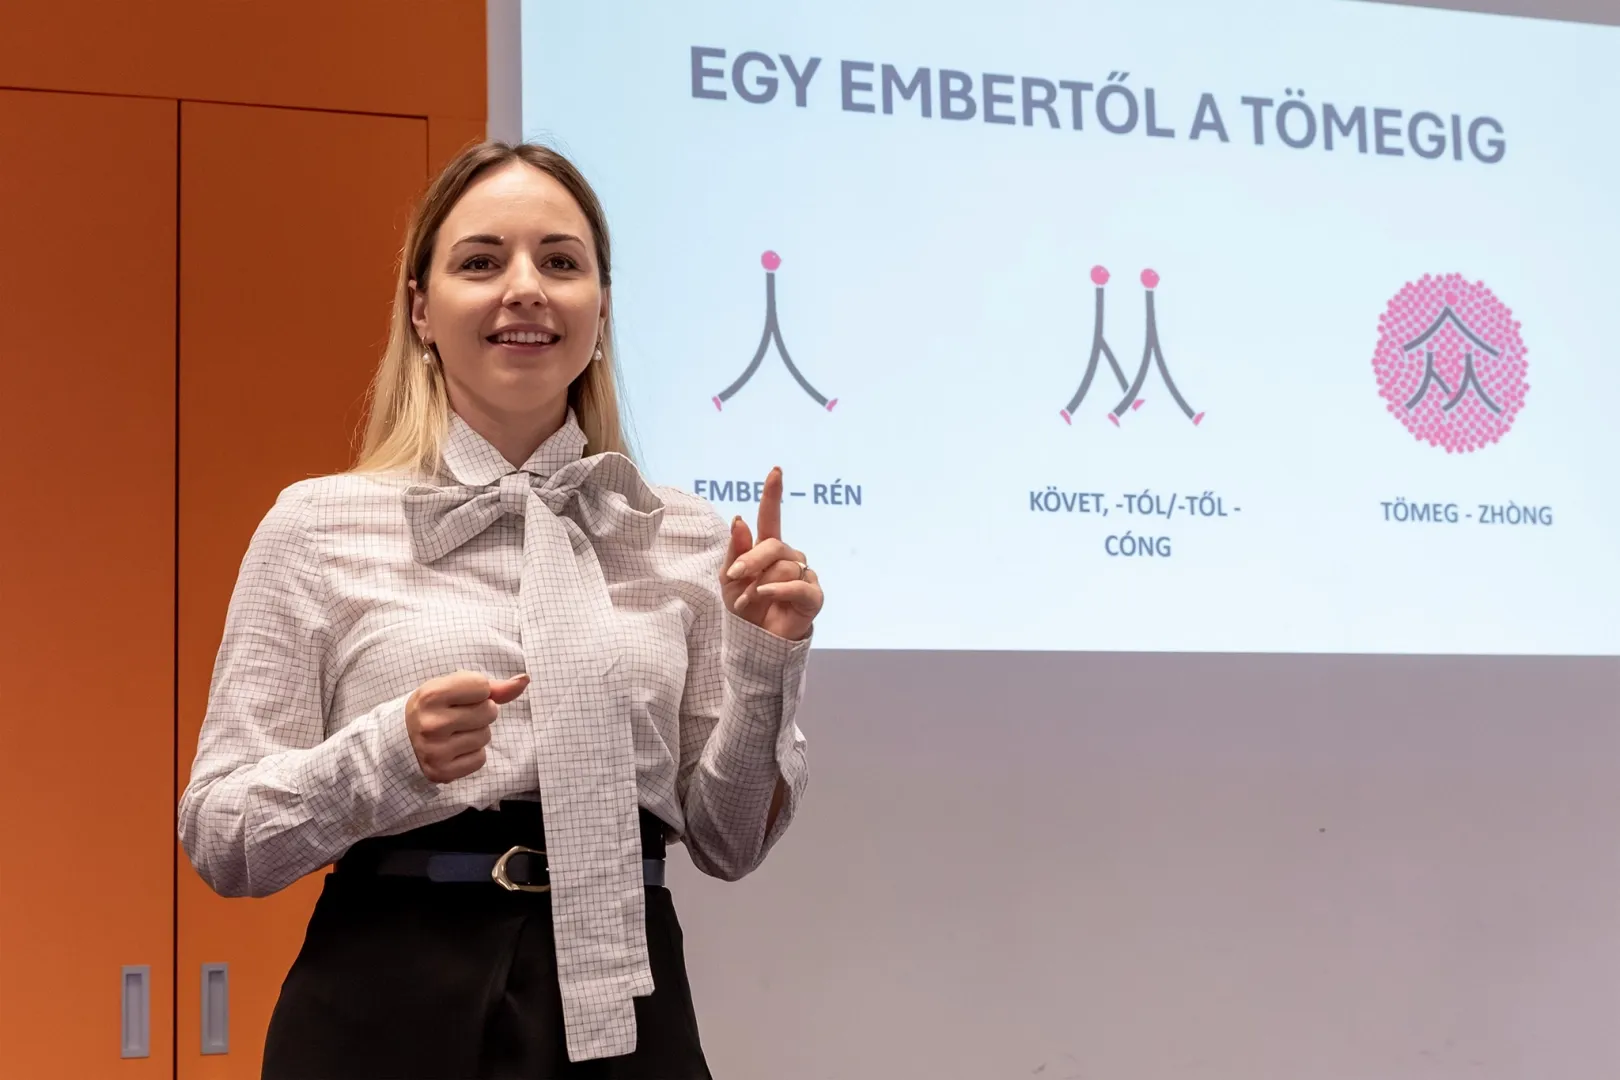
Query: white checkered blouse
[645, 690]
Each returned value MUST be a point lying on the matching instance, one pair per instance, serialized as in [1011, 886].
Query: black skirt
[409, 979]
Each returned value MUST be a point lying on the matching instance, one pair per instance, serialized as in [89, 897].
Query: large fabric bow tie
[604, 495]
[580, 699]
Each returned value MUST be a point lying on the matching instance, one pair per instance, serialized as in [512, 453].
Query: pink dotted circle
[770, 260]
[1099, 275]
[1150, 279]
[1450, 363]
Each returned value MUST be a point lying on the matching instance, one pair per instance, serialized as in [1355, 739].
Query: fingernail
[735, 571]
[736, 521]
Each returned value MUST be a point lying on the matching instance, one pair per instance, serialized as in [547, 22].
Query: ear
[419, 317]
[607, 304]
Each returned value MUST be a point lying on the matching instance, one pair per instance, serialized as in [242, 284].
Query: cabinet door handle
[136, 1036]
[216, 1009]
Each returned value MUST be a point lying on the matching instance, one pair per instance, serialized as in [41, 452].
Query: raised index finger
[770, 508]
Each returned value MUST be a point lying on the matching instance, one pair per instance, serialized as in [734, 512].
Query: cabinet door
[87, 292]
[290, 225]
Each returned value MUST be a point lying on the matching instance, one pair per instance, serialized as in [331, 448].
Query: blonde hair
[407, 408]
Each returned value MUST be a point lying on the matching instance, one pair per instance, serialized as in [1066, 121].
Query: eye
[479, 262]
[561, 262]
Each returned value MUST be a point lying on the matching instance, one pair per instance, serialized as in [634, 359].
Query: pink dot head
[1150, 279]
[1451, 299]
[1099, 275]
[770, 260]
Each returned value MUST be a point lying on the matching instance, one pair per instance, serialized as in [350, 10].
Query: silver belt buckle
[505, 882]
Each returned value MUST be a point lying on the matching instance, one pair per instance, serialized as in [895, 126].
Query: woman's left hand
[766, 582]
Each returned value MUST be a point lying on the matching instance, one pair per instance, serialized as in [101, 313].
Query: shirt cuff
[396, 758]
[755, 658]
[365, 778]
[765, 676]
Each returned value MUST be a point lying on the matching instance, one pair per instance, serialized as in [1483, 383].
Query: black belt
[484, 846]
[519, 869]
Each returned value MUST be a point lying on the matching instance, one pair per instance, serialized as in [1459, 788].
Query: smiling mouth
[524, 339]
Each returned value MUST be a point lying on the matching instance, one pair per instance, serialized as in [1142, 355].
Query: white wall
[1162, 867]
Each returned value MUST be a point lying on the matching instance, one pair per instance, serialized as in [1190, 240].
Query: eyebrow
[496, 241]
[480, 238]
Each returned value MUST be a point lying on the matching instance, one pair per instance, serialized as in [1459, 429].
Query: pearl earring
[427, 355]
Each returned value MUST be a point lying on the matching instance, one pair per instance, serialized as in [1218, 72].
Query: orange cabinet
[201, 204]
[87, 210]
[289, 226]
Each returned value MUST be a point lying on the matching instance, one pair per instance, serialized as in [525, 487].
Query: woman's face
[513, 299]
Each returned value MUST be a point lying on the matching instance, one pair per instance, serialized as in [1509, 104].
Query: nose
[523, 284]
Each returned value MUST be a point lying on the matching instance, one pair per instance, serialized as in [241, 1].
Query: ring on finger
[804, 571]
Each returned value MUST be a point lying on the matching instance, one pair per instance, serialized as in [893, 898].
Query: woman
[489, 671]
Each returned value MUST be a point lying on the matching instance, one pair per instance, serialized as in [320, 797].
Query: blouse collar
[471, 460]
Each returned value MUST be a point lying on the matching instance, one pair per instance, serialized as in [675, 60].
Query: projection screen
[1201, 417]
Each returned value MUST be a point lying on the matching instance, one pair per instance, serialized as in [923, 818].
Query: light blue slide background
[935, 281]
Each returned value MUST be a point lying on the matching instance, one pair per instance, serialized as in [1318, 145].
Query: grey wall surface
[1160, 867]
[1606, 12]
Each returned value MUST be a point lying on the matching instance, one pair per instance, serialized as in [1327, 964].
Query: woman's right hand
[449, 719]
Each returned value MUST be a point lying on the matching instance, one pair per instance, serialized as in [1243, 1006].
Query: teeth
[510, 337]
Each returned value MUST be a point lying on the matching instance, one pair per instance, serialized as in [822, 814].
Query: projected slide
[1252, 326]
